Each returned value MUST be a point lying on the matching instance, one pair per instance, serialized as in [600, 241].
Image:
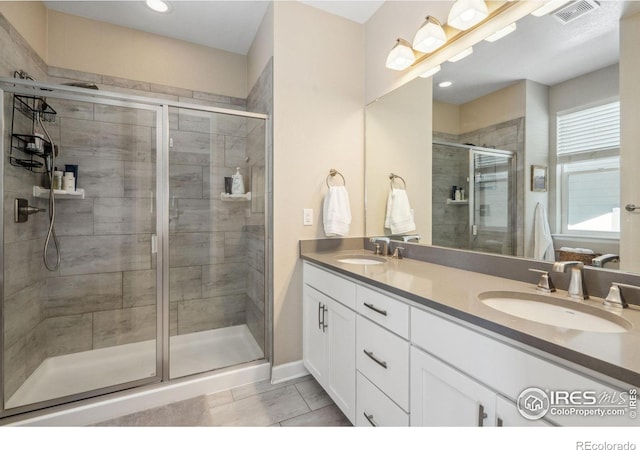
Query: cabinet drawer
[388, 312]
[383, 358]
[331, 285]
[376, 409]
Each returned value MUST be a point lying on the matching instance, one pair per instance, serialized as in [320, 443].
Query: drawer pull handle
[325, 324]
[319, 319]
[380, 363]
[369, 417]
[373, 308]
[481, 415]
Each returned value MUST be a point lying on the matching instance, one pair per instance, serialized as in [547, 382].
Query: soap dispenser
[237, 186]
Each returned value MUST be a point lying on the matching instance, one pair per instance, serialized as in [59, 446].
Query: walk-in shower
[161, 274]
[482, 216]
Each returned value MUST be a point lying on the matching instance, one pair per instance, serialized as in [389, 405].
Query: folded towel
[399, 218]
[336, 212]
[542, 242]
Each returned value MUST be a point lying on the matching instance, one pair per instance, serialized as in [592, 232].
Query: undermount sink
[555, 312]
[362, 260]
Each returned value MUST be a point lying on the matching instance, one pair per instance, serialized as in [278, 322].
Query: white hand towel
[336, 212]
[399, 219]
[542, 242]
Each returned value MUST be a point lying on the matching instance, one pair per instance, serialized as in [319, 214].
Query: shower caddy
[25, 148]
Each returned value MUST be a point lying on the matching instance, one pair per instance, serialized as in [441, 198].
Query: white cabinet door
[442, 396]
[507, 415]
[314, 340]
[340, 331]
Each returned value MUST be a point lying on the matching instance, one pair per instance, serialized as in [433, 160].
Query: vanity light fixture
[158, 5]
[401, 55]
[549, 7]
[431, 72]
[462, 54]
[502, 33]
[466, 13]
[430, 36]
[445, 84]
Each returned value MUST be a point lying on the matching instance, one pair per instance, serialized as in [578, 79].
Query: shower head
[83, 84]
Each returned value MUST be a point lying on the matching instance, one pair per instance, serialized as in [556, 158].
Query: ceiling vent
[574, 10]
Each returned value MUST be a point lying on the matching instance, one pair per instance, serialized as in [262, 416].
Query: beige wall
[30, 19]
[87, 45]
[318, 125]
[536, 144]
[630, 136]
[499, 106]
[398, 139]
[261, 49]
[446, 117]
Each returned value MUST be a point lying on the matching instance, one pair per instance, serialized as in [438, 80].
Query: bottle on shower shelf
[237, 186]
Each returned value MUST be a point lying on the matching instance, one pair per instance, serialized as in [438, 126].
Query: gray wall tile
[195, 249]
[196, 148]
[22, 313]
[139, 288]
[73, 218]
[139, 179]
[95, 254]
[210, 313]
[125, 115]
[185, 181]
[124, 216]
[222, 279]
[79, 294]
[185, 283]
[68, 334]
[124, 326]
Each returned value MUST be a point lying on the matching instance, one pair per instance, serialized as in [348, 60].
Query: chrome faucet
[577, 287]
[385, 245]
[411, 237]
[600, 261]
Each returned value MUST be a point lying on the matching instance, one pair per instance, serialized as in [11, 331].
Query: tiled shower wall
[451, 222]
[24, 274]
[104, 293]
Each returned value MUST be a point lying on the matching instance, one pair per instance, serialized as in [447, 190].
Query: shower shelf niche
[235, 197]
[457, 202]
[40, 192]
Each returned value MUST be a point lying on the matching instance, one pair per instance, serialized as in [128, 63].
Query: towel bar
[393, 176]
[333, 173]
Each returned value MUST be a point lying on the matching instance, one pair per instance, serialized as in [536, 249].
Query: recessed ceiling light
[158, 5]
[445, 84]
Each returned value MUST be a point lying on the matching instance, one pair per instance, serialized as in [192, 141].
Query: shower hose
[51, 232]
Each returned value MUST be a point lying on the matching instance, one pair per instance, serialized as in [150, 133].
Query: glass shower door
[90, 325]
[492, 202]
[216, 259]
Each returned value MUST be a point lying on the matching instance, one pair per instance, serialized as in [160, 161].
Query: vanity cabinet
[442, 396]
[329, 335]
[387, 361]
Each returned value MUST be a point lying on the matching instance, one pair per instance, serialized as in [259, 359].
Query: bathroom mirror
[504, 102]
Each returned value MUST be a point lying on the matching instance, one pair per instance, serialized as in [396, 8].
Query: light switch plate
[307, 217]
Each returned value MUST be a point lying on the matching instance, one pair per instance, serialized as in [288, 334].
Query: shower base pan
[191, 353]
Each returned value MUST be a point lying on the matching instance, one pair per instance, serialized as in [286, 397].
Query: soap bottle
[237, 185]
[57, 179]
[458, 195]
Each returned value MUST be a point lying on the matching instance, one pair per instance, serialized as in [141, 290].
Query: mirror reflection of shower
[473, 198]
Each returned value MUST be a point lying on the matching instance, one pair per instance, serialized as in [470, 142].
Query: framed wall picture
[539, 178]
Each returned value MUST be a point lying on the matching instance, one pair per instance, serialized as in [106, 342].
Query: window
[588, 147]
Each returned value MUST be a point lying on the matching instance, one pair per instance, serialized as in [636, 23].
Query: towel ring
[393, 177]
[333, 173]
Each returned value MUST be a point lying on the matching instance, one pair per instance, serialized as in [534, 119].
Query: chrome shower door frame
[161, 108]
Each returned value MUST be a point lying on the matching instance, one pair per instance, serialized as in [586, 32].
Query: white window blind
[588, 130]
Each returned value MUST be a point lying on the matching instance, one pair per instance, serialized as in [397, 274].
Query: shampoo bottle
[237, 186]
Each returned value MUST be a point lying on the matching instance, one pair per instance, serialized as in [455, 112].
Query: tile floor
[295, 403]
